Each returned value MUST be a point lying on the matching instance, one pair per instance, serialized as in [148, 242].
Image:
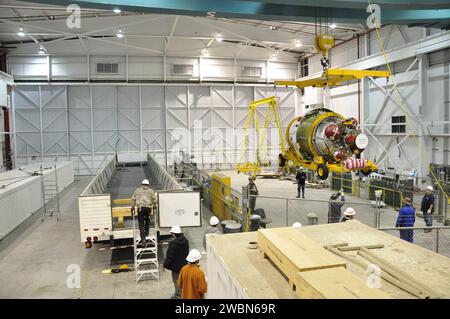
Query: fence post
[437, 240]
[244, 207]
[287, 212]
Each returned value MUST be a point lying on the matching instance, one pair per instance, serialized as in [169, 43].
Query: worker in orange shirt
[192, 280]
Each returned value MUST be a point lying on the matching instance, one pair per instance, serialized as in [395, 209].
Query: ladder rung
[151, 271]
[148, 260]
[151, 249]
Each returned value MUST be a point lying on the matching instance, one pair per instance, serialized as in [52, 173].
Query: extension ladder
[50, 194]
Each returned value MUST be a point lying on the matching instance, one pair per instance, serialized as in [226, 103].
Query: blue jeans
[407, 234]
[428, 219]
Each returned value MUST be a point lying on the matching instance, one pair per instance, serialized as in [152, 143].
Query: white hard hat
[193, 256]
[430, 188]
[296, 225]
[175, 229]
[301, 167]
[145, 182]
[213, 221]
[349, 212]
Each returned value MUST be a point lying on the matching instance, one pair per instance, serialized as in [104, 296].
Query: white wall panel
[69, 67]
[143, 68]
[204, 120]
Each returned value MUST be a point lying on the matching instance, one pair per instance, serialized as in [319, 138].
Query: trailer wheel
[322, 171]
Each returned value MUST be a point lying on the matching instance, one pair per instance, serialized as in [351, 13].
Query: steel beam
[274, 10]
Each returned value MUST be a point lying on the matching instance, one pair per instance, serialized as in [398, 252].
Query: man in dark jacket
[301, 181]
[406, 218]
[427, 207]
[334, 208]
[176, 257]
[252, 190]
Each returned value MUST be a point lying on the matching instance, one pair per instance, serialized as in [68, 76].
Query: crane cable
[400, 101]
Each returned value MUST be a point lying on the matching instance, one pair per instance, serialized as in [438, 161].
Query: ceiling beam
[343, 11]
[174, 25]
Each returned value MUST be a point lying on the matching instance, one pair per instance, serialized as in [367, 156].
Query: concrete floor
[34, 258]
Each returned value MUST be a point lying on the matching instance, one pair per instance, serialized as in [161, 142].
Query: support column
[424, 147]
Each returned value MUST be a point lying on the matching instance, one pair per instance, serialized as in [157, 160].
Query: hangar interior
[198, 98]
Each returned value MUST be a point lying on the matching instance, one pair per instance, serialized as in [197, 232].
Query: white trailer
[98, 210]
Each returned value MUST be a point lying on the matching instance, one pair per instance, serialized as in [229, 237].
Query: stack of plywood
[312, 271]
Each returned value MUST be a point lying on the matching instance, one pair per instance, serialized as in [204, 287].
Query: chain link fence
[435, 238]
[285, 211]
[227, 202]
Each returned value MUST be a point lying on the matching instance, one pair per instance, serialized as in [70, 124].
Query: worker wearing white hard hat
[212, 229]
[175, 229]
[301, 178]
[427, 207]
[192, 280]
[349, 214]
[144, 198]
[296, 225]
[176, 255]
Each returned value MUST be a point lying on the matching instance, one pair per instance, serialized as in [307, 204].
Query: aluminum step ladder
[146, 264]
[50, 194]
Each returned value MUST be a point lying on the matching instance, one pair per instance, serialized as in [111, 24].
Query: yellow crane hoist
[272, 116]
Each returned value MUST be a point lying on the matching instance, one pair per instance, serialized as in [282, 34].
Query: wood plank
[400, 274]
[350, 248]
[293, 252]
[122, 201]
[334, 283]
[386, 276]
[121, 211]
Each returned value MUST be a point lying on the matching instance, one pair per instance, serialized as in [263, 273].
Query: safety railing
[392, 193]
[164, 179]
[99, 182]
[221, 199]
[435, 238]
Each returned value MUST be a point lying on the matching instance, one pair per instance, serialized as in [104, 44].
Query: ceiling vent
[183, 69]
[252, 71]
[109, 68]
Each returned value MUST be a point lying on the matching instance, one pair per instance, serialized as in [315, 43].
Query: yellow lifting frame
[252, 116]
[334, 77]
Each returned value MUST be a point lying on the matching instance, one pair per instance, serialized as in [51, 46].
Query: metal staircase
[146, 263]
[50, 194]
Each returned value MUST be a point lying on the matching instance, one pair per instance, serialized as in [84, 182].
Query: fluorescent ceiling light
[21, 33]
[41, 50]
[298, 44]
[119, 34]
[117, 10]
[219, 38]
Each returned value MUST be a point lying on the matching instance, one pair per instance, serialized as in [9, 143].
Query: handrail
[309, 200]
[164, 179]
[99, 182]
